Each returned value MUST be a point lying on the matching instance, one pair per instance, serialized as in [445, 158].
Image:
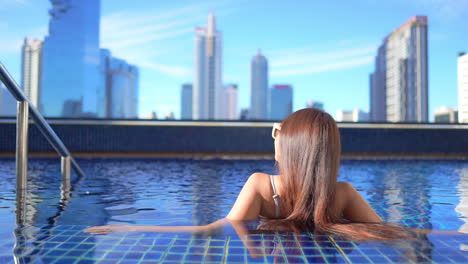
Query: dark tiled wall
[213, 139]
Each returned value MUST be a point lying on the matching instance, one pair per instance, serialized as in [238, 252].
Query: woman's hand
[102, 230]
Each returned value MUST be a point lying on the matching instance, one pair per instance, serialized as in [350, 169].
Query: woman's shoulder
[343, 192]
[259, 180]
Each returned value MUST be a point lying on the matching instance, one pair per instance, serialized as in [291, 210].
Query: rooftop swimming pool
[428, 194]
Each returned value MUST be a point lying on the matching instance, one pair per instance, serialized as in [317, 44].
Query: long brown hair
[308, 162]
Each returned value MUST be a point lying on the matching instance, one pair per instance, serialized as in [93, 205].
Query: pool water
[415, 193]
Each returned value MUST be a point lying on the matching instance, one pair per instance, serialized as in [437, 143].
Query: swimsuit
[275, 197]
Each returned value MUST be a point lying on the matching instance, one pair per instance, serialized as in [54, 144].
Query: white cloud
[309, 56]
[326, 67]
[174, 71]
[308, 60]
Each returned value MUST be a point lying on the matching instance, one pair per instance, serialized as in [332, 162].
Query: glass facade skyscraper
[186, 101]
[71, 57]
[378, 104]
[259, 87]
[281, 101]
[207, 85]
[122, 83]
[402, 74]
[463, 88]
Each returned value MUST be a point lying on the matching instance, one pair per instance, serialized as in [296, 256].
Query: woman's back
[347, 203]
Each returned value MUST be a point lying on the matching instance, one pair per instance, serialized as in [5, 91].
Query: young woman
[305, 196]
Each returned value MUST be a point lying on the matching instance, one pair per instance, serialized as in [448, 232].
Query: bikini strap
[275, 196]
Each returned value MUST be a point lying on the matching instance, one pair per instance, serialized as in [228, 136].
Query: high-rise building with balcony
[259, 87]
[186, 101]
[401, 74]
[207, 85]
[70, 60]
[281, 101]
[463, 88]
[31, 60]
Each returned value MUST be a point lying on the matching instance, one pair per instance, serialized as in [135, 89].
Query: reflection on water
[185, 192]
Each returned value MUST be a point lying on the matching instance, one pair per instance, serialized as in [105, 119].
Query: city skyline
[285, 54]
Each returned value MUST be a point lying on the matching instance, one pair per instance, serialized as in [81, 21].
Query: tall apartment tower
[378, 104]
[207, 85]
[463, 88]
[230, 102]
[259, 87]
[401, 74]
[186, 101]
[31, 59]
[281, 101]
[70, 63]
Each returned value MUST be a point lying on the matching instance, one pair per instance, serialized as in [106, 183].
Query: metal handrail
[25, 107]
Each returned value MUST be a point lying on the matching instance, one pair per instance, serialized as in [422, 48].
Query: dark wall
[92, 138]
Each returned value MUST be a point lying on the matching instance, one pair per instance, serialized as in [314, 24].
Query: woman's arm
[246, 207]
[355, 208]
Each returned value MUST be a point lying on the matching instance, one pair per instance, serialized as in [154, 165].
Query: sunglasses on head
[276, 129]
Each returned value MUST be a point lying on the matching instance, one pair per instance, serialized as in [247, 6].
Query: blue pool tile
[196, 250]
[64, 260]
[163, 241]
[292, 259]
[56, 253]
[216, 250]
[213, 258]
[192, 257]
[140, 248]
[85, 246]
[115, 255]
[173, 257]
[134, 255]
[153, 256]
[178, 249]
[75, 253]
[236, 250]
[359, 259]
[85, 261]
[128, 261]
[235, 258]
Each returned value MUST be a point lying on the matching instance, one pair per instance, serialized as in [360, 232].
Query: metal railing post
[66, 176]
[22, 124]
[22, 143]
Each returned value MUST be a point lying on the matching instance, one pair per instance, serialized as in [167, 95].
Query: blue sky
[322, 48]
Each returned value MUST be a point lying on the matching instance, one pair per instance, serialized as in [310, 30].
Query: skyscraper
[121, 82]
[31, 56]
[230, 102]
[463, 88]
[402, 75]
[186, 101]
[207, 86]
[281, 101]
[445, 115]
[315, 104]
[355, 115]
[259, 87]
[378, 104]
[7, 102]
[71, 57]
